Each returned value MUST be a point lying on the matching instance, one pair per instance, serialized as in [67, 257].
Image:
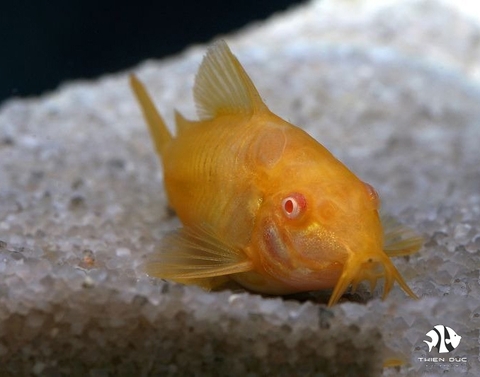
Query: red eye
[293, 205]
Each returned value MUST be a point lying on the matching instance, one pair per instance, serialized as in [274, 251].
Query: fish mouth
[284, 263]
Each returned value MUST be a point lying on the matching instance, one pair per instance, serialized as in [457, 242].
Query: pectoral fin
[398, 239]
[197, 255]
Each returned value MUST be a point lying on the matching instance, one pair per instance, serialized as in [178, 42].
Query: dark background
[45, 42]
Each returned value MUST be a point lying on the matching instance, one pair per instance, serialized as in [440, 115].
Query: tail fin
[159, 132]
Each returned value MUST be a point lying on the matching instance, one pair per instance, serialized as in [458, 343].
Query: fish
[263, 205]
[443, 338]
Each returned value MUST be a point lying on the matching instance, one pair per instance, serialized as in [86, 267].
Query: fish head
[319, 225]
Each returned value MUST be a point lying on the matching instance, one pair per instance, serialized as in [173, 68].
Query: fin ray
[398, 239]
[223, 87]
[196, 253]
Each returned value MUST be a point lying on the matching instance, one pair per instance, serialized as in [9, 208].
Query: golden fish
[263, 203]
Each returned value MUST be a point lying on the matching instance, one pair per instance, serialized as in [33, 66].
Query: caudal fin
[160, 133]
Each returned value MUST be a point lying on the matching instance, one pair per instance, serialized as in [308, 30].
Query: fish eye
[293, 205]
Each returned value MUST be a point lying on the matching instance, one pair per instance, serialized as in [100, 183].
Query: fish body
[262, 203]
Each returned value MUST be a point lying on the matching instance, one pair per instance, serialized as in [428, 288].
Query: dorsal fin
[223, 87]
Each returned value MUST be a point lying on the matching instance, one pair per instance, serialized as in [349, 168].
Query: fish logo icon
[443, 338]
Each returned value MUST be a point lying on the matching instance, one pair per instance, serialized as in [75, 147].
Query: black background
[46, 42]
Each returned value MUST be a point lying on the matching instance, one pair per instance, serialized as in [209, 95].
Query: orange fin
[195, 255]
[223, 87]
[398, 239]
[158, 130]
